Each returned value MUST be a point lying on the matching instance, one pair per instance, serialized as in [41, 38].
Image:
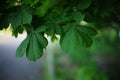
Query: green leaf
[29, 28]
[73, 39]
[66, 27]
[42, 10]
[50, 30]
[33, 46]
[87, 41]
[22, 48]
[87, 30]
[58, 29]
[18, 30]
[53, 28]
[21, 16]
[42, 40]
[83, 4]
[77, 16]
[34, 50]
[41, 28]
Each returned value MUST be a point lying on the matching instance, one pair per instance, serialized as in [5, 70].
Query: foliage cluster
[57, 17]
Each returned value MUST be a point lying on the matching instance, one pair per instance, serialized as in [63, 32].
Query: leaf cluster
[56, 17]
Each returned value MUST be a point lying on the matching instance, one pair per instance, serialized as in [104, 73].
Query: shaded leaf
[12, 3]
[31, 2]
[83, 4]
[4, 21]
[53, 28]
[50, 30]
[41, 28]
[18, 30]
[21, 16]
[87, 30]
[58, 29]
[77, 16]
[87, 41]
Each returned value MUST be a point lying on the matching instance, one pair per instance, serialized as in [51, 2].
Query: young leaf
[21, 16]
[22, 48]
[34, 50]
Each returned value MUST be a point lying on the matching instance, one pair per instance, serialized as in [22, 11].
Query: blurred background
[98, 62]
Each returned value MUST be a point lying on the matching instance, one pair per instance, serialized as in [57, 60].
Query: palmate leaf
[34, 50]
[72, 40]
[33, 45]
[21, 16]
